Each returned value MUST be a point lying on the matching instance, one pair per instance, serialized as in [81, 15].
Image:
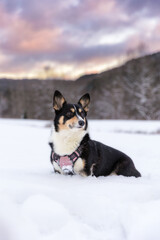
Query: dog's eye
[69, 114]
[82, 114]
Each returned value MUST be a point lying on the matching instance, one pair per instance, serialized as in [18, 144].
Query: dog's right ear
[58, 101]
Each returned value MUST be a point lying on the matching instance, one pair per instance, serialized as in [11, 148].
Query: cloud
[142, 7]
[74, 32]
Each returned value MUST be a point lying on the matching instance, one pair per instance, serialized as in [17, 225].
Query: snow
[37, 204]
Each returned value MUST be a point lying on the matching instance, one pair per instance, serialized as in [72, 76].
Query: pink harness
[66, 160]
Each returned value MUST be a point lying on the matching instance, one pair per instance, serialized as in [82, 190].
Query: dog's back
[104, 160]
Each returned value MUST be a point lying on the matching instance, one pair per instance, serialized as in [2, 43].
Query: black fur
[103, 160]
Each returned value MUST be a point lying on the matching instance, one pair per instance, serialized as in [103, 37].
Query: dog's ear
[58, 100]
[84, 101]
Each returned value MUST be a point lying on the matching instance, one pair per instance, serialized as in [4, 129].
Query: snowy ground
[37, 204]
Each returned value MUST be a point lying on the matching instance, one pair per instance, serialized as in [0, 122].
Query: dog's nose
[81, 123]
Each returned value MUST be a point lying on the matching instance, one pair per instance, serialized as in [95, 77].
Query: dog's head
[70, 116]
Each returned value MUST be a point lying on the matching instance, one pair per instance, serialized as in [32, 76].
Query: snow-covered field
[37, 204]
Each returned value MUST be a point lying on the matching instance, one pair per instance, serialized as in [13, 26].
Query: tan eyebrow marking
[61, 119]
[72, 110]
[80, 110]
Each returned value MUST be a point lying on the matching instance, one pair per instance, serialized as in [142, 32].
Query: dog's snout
[81, 123]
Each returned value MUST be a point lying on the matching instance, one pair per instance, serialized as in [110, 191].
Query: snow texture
[36, 204]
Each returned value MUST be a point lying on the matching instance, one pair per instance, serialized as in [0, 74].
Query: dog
[72, 150]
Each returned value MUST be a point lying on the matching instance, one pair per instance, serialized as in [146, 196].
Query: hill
[131, 91]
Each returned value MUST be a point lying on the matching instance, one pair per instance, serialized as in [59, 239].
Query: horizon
[83, 75]
[55, 39]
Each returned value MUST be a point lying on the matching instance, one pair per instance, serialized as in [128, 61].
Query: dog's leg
[113, 173]
[126, 168]
[57, 168]
[79, 167]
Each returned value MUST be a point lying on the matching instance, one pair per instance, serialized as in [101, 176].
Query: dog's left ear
[84, 101]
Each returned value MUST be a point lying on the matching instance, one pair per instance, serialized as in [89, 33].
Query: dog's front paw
[67, 170]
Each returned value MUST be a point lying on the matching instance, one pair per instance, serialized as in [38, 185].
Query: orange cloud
[40, 41]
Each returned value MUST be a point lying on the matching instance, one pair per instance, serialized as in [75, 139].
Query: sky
[66, 39]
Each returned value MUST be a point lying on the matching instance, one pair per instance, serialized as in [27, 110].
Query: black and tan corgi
[73, 152]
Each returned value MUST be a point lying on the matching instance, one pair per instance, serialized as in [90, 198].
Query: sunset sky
[70, 38]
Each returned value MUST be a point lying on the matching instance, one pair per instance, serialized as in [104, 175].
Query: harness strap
[75, 155]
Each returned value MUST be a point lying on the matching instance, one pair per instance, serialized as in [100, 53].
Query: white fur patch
[91, 169]
[78, 116]
[113, 173]
[66, 141]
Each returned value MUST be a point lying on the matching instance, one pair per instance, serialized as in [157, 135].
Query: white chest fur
[66, 141]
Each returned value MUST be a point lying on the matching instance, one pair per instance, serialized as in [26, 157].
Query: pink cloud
[21, 36]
